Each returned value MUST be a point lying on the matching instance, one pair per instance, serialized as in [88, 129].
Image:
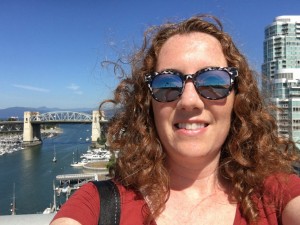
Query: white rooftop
[288, 19]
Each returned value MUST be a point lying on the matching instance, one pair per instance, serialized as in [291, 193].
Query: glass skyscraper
[281, 68]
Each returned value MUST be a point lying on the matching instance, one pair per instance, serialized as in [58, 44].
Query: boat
[52, 208]
[93, 156]
[47, 210]
[100, 150]
[54, 156]
[99, 154]
[13, 204]
[66, 188]
[10, 144]
[80, 163]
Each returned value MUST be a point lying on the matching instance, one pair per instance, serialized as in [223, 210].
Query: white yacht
[80, 163]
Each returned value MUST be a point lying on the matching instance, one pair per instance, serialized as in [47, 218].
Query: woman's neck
[200, 176]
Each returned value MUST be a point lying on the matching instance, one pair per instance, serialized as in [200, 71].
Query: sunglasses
[212, 83]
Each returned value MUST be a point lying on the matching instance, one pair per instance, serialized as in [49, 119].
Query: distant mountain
[19, 111]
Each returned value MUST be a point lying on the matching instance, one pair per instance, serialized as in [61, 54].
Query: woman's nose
[190, 99]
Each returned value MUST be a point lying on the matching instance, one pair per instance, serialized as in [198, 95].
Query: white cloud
[30, 88]
[73, 87]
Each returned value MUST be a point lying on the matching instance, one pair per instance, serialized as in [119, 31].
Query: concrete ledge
[27, 219]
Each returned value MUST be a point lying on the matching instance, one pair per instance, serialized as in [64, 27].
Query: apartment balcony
[283, 132]
[282, 107]
[277, 41]
[283, 124]
[277, 53]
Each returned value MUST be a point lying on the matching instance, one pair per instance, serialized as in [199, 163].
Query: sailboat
[78, 163]
[13, 204]
[75, 163]
[54, 155]
[53, 208]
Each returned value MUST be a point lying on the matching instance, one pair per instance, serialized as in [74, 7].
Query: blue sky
[51, 50]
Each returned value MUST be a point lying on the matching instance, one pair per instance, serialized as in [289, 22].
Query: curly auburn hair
[252, 151]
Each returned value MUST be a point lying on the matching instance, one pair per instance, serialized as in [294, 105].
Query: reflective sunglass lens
[166, 87]
[213, 84]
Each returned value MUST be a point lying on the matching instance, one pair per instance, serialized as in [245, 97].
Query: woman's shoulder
[133, 206]
[278, 191]
[282, 181]
[283, 186]
[130, 196]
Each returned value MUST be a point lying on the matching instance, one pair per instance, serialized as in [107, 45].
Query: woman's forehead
[195, 51]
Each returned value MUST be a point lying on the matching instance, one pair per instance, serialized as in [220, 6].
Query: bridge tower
[96, 129]
[31, 132]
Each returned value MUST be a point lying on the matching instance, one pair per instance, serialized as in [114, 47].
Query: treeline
[12, 118]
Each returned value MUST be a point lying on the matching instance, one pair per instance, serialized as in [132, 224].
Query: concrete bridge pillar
[31, 132]
[96, 129]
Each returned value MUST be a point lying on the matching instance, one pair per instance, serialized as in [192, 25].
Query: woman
[197, 144]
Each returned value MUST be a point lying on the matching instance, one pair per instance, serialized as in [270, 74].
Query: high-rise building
[281, 67]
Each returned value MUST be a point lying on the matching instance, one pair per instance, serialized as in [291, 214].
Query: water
[33, 172]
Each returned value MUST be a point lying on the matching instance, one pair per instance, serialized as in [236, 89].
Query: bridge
[33, 120]
[11, 126]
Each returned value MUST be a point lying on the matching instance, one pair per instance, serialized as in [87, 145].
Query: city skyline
[282, 67]
[51, 51]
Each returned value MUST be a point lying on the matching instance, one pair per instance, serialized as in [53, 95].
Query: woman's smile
[190, 126]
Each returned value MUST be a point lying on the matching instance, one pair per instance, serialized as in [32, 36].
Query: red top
[84, 204]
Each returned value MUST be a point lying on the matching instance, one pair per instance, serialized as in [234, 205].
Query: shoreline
[57, 130]
[97, 165]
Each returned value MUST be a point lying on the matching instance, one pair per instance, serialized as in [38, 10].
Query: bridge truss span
[62, 117]
[33, 120]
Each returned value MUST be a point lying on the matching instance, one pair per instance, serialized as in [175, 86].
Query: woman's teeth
[190, 126]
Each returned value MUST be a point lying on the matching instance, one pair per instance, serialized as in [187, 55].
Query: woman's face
[192, 128]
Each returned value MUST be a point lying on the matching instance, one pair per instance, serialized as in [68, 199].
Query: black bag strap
[110, 206]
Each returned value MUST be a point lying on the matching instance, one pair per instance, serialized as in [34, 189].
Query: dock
[71, 182]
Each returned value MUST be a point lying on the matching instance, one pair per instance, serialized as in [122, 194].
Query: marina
[10, 143]
[32, 171]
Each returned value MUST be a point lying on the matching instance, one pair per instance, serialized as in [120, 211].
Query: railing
[27, 219]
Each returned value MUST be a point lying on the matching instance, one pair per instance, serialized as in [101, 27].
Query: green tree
[111, 165]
